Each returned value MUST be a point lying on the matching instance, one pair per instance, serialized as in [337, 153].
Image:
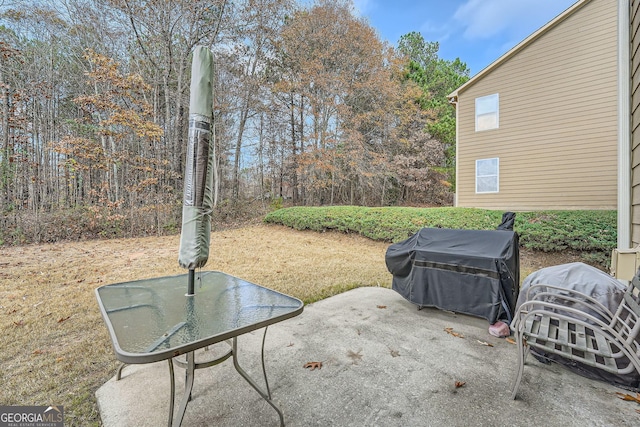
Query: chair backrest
[626, 320]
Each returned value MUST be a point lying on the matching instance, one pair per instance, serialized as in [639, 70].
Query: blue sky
[476, 31]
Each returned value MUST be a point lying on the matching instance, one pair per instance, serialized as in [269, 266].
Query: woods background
[311, 107]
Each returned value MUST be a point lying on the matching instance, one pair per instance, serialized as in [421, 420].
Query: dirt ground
[56, 350]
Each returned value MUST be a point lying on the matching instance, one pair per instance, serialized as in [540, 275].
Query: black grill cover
[475, 272]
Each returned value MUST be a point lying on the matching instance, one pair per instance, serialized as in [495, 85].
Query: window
[487, 112]
[487, 176]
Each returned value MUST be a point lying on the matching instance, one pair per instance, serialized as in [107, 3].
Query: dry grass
[56, 350]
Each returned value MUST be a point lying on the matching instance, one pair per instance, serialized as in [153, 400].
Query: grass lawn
[56, 348]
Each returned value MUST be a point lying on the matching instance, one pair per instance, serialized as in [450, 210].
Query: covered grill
[476, 272]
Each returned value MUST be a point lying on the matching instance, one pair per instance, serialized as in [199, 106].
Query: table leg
[189, 378]
[266, 396]
[173, 391]
[188, 386]
[119, 371]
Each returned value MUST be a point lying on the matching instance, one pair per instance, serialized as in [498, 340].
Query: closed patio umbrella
[198, 177]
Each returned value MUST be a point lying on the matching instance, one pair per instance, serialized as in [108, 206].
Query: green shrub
[276, 203]
[593, 234]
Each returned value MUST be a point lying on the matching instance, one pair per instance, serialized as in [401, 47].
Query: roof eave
[520, 46]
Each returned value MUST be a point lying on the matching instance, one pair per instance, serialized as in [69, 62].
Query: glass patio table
[153, 319]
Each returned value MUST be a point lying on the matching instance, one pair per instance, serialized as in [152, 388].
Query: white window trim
[497, 175]
[497, 111]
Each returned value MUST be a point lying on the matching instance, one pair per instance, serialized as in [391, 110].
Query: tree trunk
[294, 152]
[7, 154]
[238, 150]
[216, 162]
[261, 158]
[302, 174]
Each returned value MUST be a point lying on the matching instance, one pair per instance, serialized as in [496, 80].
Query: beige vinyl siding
[634, 35]
[557, 140]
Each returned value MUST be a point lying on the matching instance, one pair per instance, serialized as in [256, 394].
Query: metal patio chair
[577, 327]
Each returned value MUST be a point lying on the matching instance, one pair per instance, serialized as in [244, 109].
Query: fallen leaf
[62, 319]
[450, 331]
[313, 365]
[459, 384]
[136, 255]
[18, 323]
[382, 306]
[485, 343]
[510, 340]
[355, 356]
[629, 397]
[38, 352]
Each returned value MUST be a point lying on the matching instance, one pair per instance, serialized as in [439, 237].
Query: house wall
[557, 140]
[634, 38]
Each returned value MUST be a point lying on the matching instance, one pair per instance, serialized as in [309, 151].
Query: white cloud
[363, 7]
[436, 32]
[482, 19]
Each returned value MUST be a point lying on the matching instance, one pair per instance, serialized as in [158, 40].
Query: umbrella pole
[190, 290]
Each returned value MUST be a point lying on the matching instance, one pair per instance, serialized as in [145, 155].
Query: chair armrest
[569, 295]
[547, 309]
[601, 347]
[629, 347]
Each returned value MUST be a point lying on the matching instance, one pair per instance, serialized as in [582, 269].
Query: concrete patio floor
[384, 363]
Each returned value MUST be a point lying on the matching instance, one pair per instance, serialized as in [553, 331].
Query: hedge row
[592, 233]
